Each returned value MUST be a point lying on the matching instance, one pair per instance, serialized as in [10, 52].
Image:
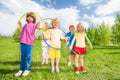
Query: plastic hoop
[40, 20]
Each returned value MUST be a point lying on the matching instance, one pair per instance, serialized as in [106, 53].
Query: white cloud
[88, 7]
[85, 16]
[8, 21]
[111, 7]
[88, 2]
[85, 23]
[98, 20]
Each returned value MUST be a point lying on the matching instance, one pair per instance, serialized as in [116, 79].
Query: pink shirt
[28, 33]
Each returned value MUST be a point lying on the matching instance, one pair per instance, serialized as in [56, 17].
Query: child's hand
[19, 23]
[91, 47]
[70, 47]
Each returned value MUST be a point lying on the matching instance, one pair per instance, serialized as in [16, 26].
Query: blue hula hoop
[52, 46]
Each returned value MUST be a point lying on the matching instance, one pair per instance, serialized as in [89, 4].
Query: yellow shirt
[80, 39]
[44, 30]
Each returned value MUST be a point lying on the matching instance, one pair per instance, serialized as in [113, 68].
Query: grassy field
[102, 63]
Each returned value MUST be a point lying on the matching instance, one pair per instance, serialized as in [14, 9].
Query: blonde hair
[80, 27]
[55, 19]
[31, 14]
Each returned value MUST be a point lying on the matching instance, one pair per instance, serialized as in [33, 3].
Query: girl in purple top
[26, 44]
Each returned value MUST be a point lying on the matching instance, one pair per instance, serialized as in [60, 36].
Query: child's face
[55, 24]
[80, 28]
[72, 29]
[47, 24]
[29, 19]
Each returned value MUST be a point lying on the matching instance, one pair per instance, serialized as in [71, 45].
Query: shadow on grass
[8, 71]
[107, 47]
[10, 62]
[113, 53]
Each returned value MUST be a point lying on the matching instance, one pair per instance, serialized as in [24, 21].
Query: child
[26, 43]
[80, 48]
[70, 36]
[55, 35]
[45, 47]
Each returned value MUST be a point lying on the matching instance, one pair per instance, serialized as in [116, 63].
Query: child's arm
[71, 46]
[63, 37]
[38, 26]
[91, 47]
[20, 25]
[46, 37]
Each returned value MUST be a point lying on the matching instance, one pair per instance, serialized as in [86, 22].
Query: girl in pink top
[26, 43]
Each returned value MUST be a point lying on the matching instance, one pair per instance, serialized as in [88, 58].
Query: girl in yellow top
[80, 47]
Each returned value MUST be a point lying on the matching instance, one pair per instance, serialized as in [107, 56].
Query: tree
[105, 34]
[116, 29]
[101, 34]
[16, 35]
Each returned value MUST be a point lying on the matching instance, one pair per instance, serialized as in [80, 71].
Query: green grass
[102, 63]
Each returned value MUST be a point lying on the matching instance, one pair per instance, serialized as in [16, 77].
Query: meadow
[102, 63]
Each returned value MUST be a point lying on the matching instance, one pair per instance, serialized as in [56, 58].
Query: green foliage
[101, 34]
[16, 35]
[116, 30]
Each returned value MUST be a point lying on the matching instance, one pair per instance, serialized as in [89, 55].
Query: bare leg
[69, 59]
[76, 60]
[57, 64]
[82, 64]
[52, 65]
[76, 64]
[81, 61]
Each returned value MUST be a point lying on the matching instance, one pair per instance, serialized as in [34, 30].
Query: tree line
[104, 34]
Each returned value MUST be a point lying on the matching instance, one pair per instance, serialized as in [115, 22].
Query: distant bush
[16, 35]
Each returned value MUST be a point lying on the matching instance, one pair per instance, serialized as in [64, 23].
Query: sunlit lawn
[102, 63]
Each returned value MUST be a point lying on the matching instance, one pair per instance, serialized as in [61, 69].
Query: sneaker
[46, 63]
[52, 70]
[26, 72]
[69, 63]
[57, 70]
[43, 63]
[82, 68]
[18, 73]
[76, 70]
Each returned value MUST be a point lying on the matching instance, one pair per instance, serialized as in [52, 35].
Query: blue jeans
[26, 52]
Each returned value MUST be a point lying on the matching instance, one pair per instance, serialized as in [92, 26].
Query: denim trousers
[26, 52]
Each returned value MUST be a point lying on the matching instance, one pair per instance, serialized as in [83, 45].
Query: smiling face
[47, 24]
[30, 18]
[55, 23]
[80, 28]
[72, 28]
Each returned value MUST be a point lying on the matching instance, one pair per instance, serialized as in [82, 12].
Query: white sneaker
[26, 72]
[69, 63]
[57, 70]
[18, 73]
[52, 70]
[46, 63]
[43, 63]
[77, 72]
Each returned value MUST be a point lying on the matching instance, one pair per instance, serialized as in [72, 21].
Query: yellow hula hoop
[40, 19]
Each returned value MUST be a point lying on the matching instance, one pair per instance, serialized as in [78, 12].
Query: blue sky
[86, 8]
[69, 12]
